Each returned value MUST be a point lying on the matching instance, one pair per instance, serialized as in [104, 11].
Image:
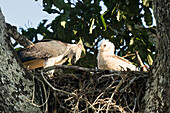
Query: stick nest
[88, 90]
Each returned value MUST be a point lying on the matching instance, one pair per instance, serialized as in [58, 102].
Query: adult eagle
[49, 53]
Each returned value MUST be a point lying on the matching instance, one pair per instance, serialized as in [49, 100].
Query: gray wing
[44, 50]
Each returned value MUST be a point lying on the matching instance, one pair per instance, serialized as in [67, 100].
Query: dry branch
[140, 61]
[72, 94]
[73, 68]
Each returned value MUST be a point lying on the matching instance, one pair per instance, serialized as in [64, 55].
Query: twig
[115, 91]
[65, 108]
[44, 102]
[72, 94]
[134, 106]
[116, 73]
[93, 103]
[89, 104]
[110, 100]
[118, 86]
[33, 99]
[33, 91]
[68, 99]
[76, 108]
[128, 55]
[131, 81]
[46, 97]
[140, 61]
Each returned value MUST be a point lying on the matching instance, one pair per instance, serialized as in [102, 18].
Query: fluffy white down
[107, 60]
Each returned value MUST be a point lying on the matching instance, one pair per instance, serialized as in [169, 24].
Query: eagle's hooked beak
[73, 60]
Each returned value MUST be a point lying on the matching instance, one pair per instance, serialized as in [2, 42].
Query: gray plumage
[50, 49]
[45, 54]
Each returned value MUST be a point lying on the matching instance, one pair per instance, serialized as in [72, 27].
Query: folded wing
[38, 55]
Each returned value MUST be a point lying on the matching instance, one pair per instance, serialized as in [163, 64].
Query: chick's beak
[100, 47]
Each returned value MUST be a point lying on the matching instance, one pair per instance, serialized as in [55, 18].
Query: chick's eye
[104, 45]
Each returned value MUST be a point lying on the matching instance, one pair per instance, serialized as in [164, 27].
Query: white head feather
[107, 47]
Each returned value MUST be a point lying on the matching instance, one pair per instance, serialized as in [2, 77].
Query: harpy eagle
[49, 53]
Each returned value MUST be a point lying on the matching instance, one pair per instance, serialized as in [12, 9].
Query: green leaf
[91, 26]
[81, 42]
[60, 32]
[133, 7]
[150, 60]
[146, 2]
[59, 4]
[64, 16]
[103, 20]
[118, 16]
[131, 41]
[47, 4]
[61, 26]
[129, 27]
[137, 38]
[63, 23]
[114, 9]
[148, 16]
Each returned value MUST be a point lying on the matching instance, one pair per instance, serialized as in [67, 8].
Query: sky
[24, 13]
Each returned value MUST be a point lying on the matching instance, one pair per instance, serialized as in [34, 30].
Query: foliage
[121, 23]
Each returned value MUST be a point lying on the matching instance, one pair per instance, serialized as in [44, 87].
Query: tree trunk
[15, 84]
[157, 95]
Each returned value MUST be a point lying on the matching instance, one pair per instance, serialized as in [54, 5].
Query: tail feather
[33, 64]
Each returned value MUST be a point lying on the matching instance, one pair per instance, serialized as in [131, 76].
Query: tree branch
[140, 61]
[62, 91]
[72, 67]
[21, 39]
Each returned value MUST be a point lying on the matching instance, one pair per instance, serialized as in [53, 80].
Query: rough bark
[157, 93]
[21, 39]
[15, 85]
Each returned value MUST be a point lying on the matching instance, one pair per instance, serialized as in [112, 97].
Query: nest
[88, 90]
